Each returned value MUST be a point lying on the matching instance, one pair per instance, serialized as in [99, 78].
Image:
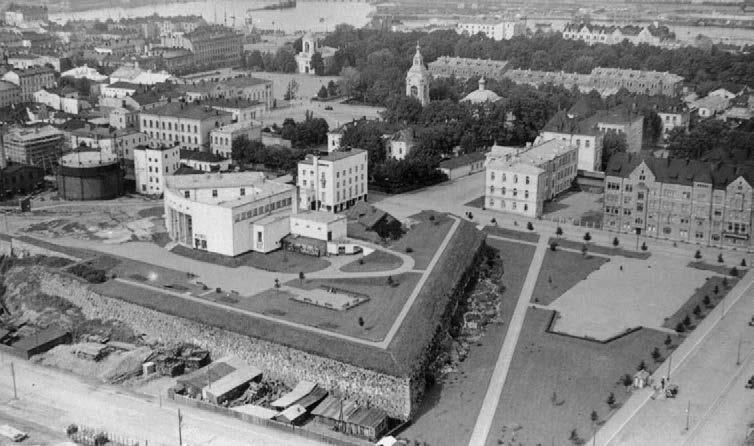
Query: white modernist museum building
[233, 213]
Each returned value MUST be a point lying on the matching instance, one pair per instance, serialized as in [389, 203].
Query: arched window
[414, 91]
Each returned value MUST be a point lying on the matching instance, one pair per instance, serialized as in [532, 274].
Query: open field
[556, 381]
[560, 271]
[423, 238]
[279, 261]
[378, 314]
[697, 300]
[626, 293]
[375, 261]
[450, 407]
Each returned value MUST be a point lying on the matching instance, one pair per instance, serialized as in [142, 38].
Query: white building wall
[301, 225]
[589, 148]
[151, 166]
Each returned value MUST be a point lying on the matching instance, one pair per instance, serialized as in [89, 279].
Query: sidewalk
[702, 367]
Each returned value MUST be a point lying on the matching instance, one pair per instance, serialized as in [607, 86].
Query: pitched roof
[462, 160]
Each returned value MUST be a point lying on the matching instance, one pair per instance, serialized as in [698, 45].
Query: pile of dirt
[115, 367]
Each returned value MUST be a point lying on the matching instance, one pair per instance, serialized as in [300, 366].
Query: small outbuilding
[42, 341]
[293, 415]
[641, 379]
[231, 386]
[463, 165]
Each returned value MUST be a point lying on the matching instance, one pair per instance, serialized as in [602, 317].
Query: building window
[243, 191]
[527, 180]
[214, 193]
[186, 194]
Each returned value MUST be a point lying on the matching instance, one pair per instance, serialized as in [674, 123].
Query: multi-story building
[606, 81]
[37, 146]
[26, 61]
[205, 161]
[463, 68]
[211, 45]
[309, 47]
[31, 80]
[620, 120]
[228, 213]
[137, 76]
[151, 164]
[519, 180]
[221, 139]
[675, 199]
[495, 29]
[673, 118]
[244, 88]
[10, 94]
[587, 139]
[119, 142]
[400, 144]
[613, 35]
[334, 182]
[85, 72]
[184, 125]
[242, 110]
[18, 14]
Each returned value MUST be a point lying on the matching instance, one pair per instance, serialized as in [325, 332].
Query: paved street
[56, 399]
[703, 367]
[497, 380]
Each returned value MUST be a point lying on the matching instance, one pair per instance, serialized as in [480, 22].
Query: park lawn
[697, 299]
[718, 269]
[477, 202]
[450, 408]
[560, 271]
[358, 231]
[555, 382]
[379, 312]
[512, 234]
[599, 249]
[378, 260]
[279, 261]
[424, 238]
[155, 211]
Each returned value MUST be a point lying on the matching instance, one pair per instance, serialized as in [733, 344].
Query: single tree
[643, 246]
[553, 246]
[642, 366]
[559, 231]
[277, 283]
[706, 300]
[361, 321]
[743, 262]
[587, 237]
[668, 340]
[615, 241]
[611, 400]
[626, 380]
[529, 226]
[493, 221]
[698, 254]
[716, 290]
[301, 277]
[734, 272]
[720, 258]
[656, 354]
[322, 93]
[390, 280]
[594, 417]
[332, 89]
[697, 311]
[679, 327]
[687, 321]
[471, 216]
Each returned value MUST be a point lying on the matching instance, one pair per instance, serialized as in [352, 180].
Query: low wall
[390, 393]
[19, 248]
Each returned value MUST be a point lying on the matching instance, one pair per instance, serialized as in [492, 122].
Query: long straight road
[56, 399]
[499, 375]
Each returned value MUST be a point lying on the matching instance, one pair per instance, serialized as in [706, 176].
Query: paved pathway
[381, 344]
[702, 366]
[497, 381]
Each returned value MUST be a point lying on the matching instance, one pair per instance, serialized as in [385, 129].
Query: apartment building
[519, 180]
[151, 164]
[613, 35]
[683, 200]
[334, 182]
[119, 142]
[31, 80]
[212, 46]
[465, 68]
[222, 138]
[672, 119]
[36, 146]
[400, 144]
[26, 61]
[495, 29]
[10, 94]
[242, 110]
[185, 125]
[585, 137]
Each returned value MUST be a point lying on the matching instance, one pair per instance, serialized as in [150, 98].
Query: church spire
[418, 59]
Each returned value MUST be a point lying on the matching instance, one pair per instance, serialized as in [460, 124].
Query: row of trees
[713, 140]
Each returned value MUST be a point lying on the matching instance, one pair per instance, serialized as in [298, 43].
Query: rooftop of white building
[319, 216]
[256, 186]
[504, 156]
[333, 156]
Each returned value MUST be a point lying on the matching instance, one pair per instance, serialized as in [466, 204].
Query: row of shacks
[226, 380]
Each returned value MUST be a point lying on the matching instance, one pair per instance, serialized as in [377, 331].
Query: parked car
[12, 433]
[329, 107]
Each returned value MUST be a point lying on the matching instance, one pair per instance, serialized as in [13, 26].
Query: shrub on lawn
[493, 221]
[615, 242]
[361, 321]
[611, 400]
[720, 258]
[553, 246]
[698, 254]
[668, 340]
[529, 226]
[706, 300]
[656, 355]
[643, 246]
[642, 366]
[626, 380]
[733, 272]
[743, 262]
[409, 249]
[559, 231]
[587, 237]
[680, 328]
[575, 438]
[687, 321]
[390, 280]
[697, 311]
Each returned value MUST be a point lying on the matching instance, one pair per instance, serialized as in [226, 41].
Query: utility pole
[670, 360]
[13, 375]
[738, 353]
[180, 425]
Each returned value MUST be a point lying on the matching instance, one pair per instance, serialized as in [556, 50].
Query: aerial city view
[354, 222]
